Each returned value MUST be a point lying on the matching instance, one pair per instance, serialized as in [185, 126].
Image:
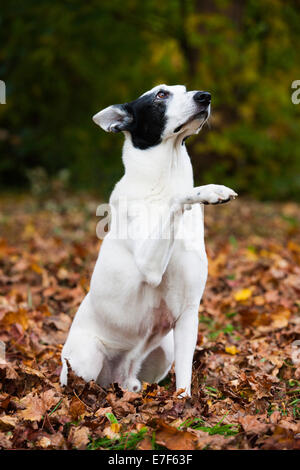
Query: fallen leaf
[232, 350]
[242, 295]
[36, 406]
[173, 439]
[79, 437]
[77, 409]
[252, 425]
[7, 422]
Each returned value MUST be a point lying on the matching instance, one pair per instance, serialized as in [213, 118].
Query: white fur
[141, 312]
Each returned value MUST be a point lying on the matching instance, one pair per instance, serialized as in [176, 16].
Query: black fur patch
[149, 120]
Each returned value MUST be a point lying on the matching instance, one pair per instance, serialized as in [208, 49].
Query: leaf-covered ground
[246, 379]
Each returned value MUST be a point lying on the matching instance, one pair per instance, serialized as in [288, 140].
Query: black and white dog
[141, 312]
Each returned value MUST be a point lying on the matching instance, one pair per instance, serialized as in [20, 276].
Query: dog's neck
[164, 168]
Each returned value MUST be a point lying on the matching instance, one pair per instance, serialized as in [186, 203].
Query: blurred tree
[64, 61]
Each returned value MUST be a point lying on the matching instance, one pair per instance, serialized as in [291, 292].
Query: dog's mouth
[203, 114]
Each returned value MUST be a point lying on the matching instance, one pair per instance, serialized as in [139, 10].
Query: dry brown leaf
[79, 437]
[252, 425]
[7, 422]
[77, 408]
[36, 406]
[174, 439]
[44, 442]
[43, 278]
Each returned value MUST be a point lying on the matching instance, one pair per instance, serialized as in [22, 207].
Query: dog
[141, 312]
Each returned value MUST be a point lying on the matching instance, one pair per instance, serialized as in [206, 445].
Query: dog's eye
[162, 94]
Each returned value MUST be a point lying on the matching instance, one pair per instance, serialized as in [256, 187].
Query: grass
[213, 392]
[219, 428]
[293, 222]
[125, 441]
[128, 441]
[231, 314]
[295, 403]
[214, 330]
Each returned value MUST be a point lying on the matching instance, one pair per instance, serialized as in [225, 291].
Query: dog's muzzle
[203, 99]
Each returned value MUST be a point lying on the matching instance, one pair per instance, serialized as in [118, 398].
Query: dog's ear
[115, 118]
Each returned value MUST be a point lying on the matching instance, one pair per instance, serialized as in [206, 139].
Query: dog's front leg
[153, 253]
[207, 194]
[185, 340]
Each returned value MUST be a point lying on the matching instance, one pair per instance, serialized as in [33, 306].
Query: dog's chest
[161, 322]
[162, 318]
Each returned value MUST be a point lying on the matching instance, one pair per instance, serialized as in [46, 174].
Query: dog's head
[161, 113]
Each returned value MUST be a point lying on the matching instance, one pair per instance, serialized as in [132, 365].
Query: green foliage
[64, 61]
[224, 430]
[122, 441]
[127, 441]
[219, 428]
[214, 329]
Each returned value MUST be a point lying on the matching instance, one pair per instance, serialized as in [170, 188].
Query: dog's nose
[203, 97]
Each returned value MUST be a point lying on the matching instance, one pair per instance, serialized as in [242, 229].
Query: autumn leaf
[173, 439]
[280, 318]
[44, 442]
[242, 295]
[77, 408]
[115, 427]
[20, 316]
[7, 422]
[252, 425]
[79, 437]
[231, 350]
[36, 268]
[36, 406]
[245, 386]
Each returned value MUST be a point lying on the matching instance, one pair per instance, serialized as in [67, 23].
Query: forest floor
[246, 373]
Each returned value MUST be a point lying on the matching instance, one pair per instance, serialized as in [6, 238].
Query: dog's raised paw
[214, 194]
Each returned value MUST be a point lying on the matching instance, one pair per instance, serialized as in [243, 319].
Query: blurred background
[62, 61]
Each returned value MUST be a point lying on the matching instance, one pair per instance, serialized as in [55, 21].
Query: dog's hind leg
[158, 363]
[85, 355]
